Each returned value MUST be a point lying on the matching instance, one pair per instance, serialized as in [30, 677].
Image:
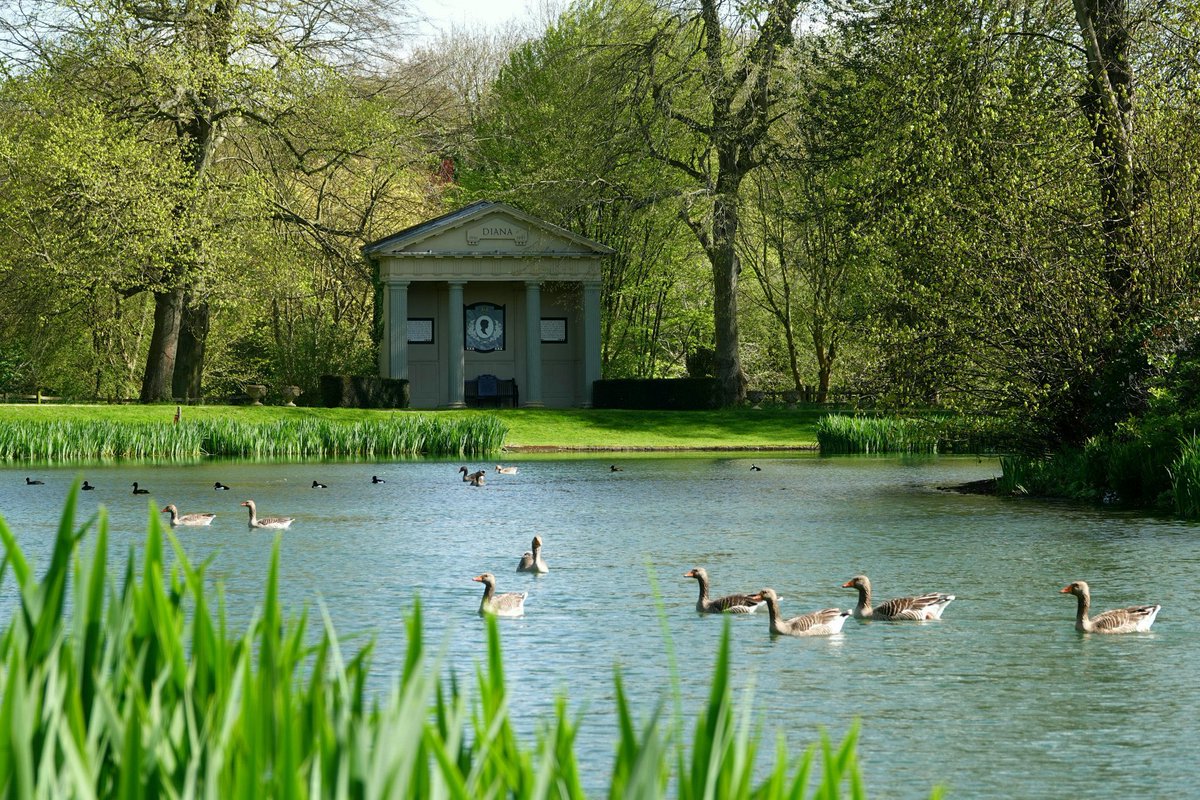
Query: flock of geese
[824, 622]
[827, 621]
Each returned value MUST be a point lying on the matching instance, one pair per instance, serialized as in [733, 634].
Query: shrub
[657, 394]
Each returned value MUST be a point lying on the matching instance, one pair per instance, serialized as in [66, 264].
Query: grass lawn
[529, 429]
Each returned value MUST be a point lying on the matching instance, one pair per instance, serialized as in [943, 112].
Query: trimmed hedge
[657, 394]
[363, 391]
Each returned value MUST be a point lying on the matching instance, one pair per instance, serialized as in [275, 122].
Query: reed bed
[394, 436]
[839, 434]
[1185, 478]
[141, 690]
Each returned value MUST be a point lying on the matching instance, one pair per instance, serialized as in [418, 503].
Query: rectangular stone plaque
[420, 330]
[554, 330]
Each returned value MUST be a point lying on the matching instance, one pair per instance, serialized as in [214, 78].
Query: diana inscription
[498, 230]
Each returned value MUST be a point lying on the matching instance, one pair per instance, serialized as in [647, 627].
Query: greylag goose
[533, 561]
[925, 606]
[187, 519]
[733, 603]
[506, 470]
[266, 522]
[1135, 619]
[136, 490]
[377, 479]
[28, 482]
[473, 478]
[508, 604]
[825, 622]
[319, 485]
[87, 487]
[220, 487]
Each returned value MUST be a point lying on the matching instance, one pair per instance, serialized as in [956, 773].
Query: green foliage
[141, 689]
[389, 437]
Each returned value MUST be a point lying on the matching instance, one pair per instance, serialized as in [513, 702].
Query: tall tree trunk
[160, 362]
[189, 360]
[1109, 107]
[723, 257]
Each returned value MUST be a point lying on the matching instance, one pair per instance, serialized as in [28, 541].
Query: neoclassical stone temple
[491, 291]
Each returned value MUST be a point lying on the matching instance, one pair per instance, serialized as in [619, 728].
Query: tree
[710, 96]
[193, 77]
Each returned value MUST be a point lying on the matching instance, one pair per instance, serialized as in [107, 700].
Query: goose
[926, 606]
[266, 522]
[825, 622]
[188, 519]
[533, 561]
[220, 487]
[1135, 619]
[473, 478]
[733, 603]
[87, 487]
[377, 479]
[29, 482]
[136, 490]
[506, 470]
[508, 604]
[319, 485]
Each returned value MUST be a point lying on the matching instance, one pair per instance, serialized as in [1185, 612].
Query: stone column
[397, 329]
[385, 335]
[454, 344]
[531, 392]
[591, 338]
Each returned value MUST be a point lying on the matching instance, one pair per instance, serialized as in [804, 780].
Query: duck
[825, 622]
[319, 485]
[136, 490]
[506, 470]
[29, 482]
[266, 522]
[188, 519]
[508, 604]
[473, 478]
[377, 479]
[87, 487]
[615, 468]
[1135, 619]
[755, 468]
[732, 604]
[533, 561]
[220, 487]
[921, 607]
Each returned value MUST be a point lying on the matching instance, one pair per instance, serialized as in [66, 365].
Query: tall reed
[1185, 478]
[389, 437]
[838, 434]
[141, 690]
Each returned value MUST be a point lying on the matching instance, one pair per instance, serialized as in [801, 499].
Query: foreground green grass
[141, 690]
[527, 428]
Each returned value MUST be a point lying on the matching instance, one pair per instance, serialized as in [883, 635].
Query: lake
[999, 699]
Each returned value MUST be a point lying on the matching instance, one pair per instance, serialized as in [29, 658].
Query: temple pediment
[485, 229]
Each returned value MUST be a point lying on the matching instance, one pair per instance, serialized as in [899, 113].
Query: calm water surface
[1001, 699]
